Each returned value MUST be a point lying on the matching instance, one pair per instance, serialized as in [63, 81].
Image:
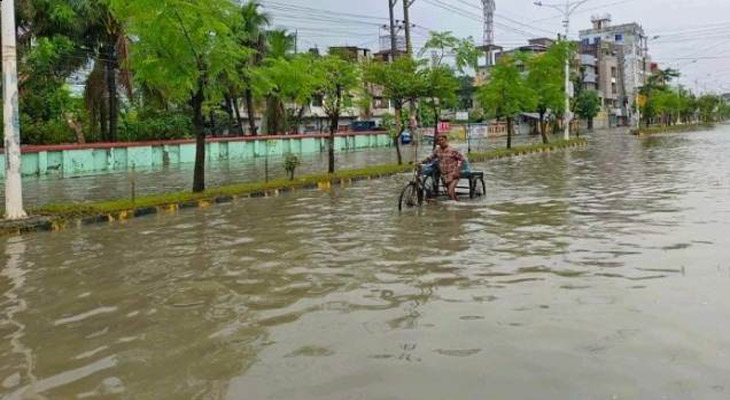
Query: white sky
[688, 29]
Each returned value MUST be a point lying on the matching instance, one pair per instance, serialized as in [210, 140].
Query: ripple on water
[295, 296]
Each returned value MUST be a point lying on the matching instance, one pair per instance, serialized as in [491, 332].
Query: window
[613, 72]
[619, 37]
[317, 101]
[614, 88]
[380, 103]
[586, 41]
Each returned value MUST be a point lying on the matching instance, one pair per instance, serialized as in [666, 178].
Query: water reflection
[593, 273]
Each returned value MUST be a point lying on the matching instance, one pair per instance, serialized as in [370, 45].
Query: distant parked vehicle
[362, 126]
[406, 137]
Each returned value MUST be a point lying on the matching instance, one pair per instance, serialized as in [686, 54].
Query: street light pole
[11, 121]
[567, 10]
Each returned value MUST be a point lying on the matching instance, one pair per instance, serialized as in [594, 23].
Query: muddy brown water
[596, 273]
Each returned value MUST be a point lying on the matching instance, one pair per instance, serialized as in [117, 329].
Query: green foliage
[588, 104]
[507, 94]
[289, 84]
[400, 81]
[183, 45]
[708, 106]
[444, 44]
[154, 125]
[546, 77]
[335, 79]
[291, 162]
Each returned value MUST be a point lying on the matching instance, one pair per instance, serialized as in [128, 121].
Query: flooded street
[594, 273]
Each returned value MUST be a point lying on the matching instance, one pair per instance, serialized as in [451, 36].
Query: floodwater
[595, 273]
[113, 185]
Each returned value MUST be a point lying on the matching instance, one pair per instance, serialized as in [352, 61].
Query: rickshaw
[426, 184]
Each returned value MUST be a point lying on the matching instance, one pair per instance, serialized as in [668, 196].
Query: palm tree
[280, 43]
[107, 47]
[279, 46]
[252, 34]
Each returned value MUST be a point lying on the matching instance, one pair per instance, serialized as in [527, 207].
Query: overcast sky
[688, 30]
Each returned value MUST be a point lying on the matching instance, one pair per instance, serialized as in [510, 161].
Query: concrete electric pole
[393, 43]
[407, 23]
[567, 10]
[11, 121]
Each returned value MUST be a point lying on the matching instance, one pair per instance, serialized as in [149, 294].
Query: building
[534, 46]
[629, 49]
[351, 53]
[602, 70]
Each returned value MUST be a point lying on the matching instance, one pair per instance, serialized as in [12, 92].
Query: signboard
[478, 131]
[444, 127]
[462, 116]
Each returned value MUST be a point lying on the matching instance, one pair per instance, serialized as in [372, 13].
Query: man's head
[442, 141]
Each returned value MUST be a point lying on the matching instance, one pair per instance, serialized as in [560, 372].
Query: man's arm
[430, 158]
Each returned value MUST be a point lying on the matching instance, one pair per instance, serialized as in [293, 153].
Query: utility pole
[393, 43]
[645, 50]
[11, 120]
[296, 40]
[407, 22]
[567, 10]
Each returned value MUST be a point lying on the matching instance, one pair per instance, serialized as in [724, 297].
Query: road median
[56, 217]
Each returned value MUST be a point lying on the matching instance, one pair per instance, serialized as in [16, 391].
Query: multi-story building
[631, 56]
[602, 70]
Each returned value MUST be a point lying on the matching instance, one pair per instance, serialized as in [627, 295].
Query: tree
[506, 95]
[250, 32]
[708, 105]
[290, 84]
[108, 49]
[688, 106]
[401, 81]
[546, 77]
[656, 84]
[587, 106]
[336, 78]
[183, 48]
[441, 91]
[279, 46]
[441, 44]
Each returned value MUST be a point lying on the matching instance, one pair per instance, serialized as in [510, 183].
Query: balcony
[588, 60]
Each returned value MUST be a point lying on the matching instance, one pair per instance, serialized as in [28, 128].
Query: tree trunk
[111, 79]
[251, 113]
[198, 126]
[237, 111]
[298, 122]
[509, 132]
[334, 122]
[543, 128]
[104, 121]
[399, 131]
[229, 111]
[590, 124]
